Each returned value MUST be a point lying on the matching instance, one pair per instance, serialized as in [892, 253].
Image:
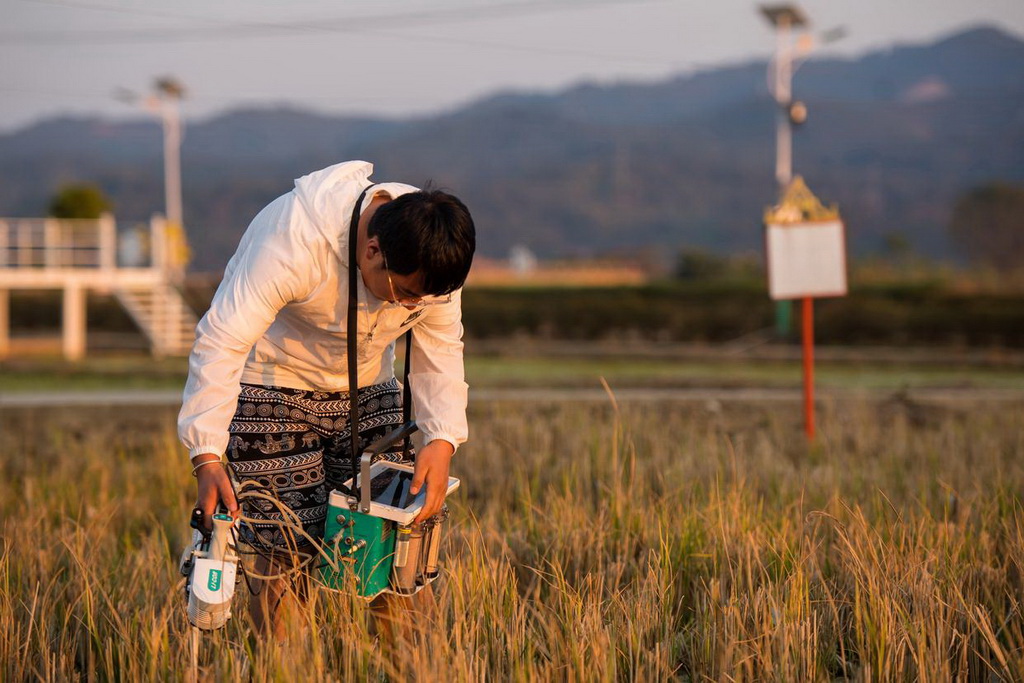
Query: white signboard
[806, 260]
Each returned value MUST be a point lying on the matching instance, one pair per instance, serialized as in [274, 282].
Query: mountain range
[893, 138]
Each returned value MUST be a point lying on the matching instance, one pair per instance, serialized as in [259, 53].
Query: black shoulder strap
[406, 393]
[352, 331]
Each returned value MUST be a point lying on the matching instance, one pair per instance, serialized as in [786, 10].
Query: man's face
[387, 285]
[403, 289]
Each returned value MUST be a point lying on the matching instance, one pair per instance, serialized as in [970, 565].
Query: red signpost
[808, 339]
[806, 253]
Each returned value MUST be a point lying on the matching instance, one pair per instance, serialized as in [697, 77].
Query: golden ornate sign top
[799, 205]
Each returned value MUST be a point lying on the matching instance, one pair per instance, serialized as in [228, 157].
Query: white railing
[143, 266]
[52, 243]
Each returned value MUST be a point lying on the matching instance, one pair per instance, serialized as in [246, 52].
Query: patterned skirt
[296, 445]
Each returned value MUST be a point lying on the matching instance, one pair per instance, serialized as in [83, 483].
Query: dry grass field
[653, 541]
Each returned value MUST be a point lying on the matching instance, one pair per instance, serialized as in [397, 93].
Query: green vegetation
[95, 373]
[917, 314]
[82, 200]
[542, 372]
[668, 542]
[927, 313]
[582, 370]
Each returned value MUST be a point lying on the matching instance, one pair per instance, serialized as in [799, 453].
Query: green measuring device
[370, 539]
[361, 545]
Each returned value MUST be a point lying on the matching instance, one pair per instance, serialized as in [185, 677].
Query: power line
[220, 98]
[233, 29]
[532, 49]
[230, 29]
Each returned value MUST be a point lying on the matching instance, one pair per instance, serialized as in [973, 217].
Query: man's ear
[371, 249]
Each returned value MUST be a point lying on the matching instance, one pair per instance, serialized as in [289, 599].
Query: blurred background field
[579, 366]
[953, 331]
[686, 541]
[945, 310]
[491, 368]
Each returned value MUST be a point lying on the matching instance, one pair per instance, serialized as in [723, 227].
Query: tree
[897, 246]
[697, 264]
[79, 200]
[988, 223]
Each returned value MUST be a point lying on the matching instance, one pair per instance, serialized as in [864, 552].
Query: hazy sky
[405, 57]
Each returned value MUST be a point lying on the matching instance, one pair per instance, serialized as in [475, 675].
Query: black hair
[429, 231]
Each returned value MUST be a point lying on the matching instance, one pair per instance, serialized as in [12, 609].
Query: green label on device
[213, 583]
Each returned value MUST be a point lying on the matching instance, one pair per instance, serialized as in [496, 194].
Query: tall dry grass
[659, 542]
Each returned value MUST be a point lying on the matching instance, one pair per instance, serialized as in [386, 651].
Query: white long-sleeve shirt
[279, 318]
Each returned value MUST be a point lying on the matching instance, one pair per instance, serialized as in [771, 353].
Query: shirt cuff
[199, 450]
[427, 438]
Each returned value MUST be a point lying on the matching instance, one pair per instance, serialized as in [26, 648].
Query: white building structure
[77, 256]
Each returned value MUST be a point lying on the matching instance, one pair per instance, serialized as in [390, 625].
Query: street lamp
[780, 83]
[789, 112]
[784, 18]
[165, 102]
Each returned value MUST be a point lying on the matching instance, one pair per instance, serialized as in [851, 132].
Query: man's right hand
[214, 487]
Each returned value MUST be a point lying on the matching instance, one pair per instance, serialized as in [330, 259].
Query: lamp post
[789, 112]
[784, 18]
[165, 102]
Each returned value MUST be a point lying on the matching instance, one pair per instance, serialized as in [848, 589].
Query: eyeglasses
[411, 300]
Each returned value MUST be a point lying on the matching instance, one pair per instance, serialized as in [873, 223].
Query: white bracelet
[205, 462]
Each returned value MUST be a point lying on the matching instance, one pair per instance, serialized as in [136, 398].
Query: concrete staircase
[163, 316]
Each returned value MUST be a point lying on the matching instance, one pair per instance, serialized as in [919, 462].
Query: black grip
[391, 438]
[196, 522]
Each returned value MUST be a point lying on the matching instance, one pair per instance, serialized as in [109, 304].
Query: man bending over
[268, 383]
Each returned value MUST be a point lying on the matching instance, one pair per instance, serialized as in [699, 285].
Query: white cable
[291, 526]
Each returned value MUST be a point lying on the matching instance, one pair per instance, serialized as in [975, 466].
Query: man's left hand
[432, 463]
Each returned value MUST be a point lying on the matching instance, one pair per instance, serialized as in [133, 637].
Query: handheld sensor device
[211, 567]
[370, 538]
